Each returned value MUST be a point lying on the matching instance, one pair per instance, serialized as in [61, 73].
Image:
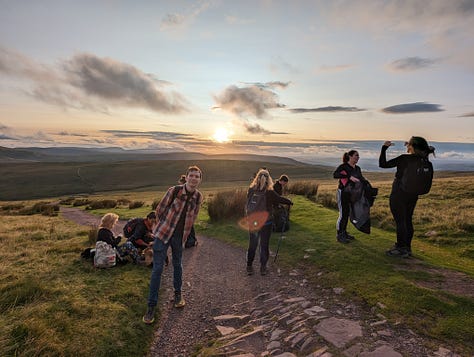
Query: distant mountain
[114, 154]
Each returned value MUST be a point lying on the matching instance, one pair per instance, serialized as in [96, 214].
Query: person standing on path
[176, 214]
[402, 203]
[260, 220]
[280, 184]
[348, 173]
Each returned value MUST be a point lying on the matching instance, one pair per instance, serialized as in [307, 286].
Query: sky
[220, 76]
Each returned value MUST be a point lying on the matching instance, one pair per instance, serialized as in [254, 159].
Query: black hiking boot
[179, 301]
[341, 238]
[348, 236]
[149, 316]
[249, 270]
[398, 252]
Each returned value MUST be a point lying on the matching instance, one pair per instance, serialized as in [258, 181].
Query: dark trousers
[344, 205]
[402, 206]
[264, 235]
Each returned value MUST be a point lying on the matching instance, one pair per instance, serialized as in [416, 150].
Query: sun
[221, 135]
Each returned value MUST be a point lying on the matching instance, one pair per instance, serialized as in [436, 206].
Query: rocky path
[279, 314]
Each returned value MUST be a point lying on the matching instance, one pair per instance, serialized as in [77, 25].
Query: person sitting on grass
[105, 233]
[140, 237]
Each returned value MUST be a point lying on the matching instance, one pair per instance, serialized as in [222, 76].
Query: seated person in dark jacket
[105, 233]
[142, 236]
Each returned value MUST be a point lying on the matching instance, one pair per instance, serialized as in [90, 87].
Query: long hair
[346, 156]
[262, 181]
[108, 220]
[420, 146]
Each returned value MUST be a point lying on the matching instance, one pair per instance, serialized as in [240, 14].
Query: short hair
[193, 168]
[283, 178]
[151, 215]
[108, 220]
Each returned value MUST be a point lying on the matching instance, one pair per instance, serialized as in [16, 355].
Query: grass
[54, 304]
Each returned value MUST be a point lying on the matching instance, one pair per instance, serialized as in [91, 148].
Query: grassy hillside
[52, 303]
[38, 180]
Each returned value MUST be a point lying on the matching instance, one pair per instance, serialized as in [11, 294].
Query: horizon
[448, 155]
[212, 76]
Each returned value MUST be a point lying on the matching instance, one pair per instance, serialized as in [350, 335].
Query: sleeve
[276, 198]
[383, 163]
[339, 174]
[164, 203]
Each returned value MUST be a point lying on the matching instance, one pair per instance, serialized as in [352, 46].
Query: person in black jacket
[282, 182]
[105, 233]
[347, 173]
[262, 184]
[402, 204]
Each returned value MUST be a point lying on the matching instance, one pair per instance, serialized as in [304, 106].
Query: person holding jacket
[262, 184]
[402, 204]
[348, 173]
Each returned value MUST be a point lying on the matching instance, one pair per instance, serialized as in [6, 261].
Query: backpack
[130, 227]
[281, 219]
[105, 255]
[417, 176]
[257, 202]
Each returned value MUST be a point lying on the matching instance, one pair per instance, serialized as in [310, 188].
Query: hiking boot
[348, 236]
[179, 301]
[341, 238]
[397, 252]
[149, 316]
[263, 270]
[249, 270]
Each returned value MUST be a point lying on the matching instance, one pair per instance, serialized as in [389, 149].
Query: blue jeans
[160, 251]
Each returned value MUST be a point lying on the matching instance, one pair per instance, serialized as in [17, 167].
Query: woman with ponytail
[348, 173]
[403, 199]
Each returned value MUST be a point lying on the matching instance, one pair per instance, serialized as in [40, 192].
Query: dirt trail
[215, 283]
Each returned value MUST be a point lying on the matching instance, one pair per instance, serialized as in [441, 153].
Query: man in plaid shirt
[176, 214]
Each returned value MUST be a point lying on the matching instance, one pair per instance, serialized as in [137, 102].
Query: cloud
[119, 82]
[179, 21]
[251, 100]
[278, 64]
[418, 107]
[157, 135]
[335, 68]
[411, 64]
[93, 83]
[234, 20]
[467, 115]
[326, 109]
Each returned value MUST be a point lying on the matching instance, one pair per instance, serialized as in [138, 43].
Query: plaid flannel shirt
[168, 213]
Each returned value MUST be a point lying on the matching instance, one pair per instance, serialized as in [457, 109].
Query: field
[54, 304]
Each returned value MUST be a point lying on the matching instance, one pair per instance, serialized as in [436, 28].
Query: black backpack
[417, 176]
[257, 202]
[130, 226]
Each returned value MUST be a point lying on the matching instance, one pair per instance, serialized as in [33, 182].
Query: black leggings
[344, 205]
[402, 206]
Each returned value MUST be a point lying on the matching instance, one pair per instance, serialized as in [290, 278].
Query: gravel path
[215, 283]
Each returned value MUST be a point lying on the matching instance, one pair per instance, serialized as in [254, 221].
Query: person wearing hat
[402, 203]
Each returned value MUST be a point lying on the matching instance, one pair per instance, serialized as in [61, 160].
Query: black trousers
[402, 206]
[264, 236]
[344, 205]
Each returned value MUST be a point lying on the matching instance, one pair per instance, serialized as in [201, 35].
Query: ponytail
[347, 155]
